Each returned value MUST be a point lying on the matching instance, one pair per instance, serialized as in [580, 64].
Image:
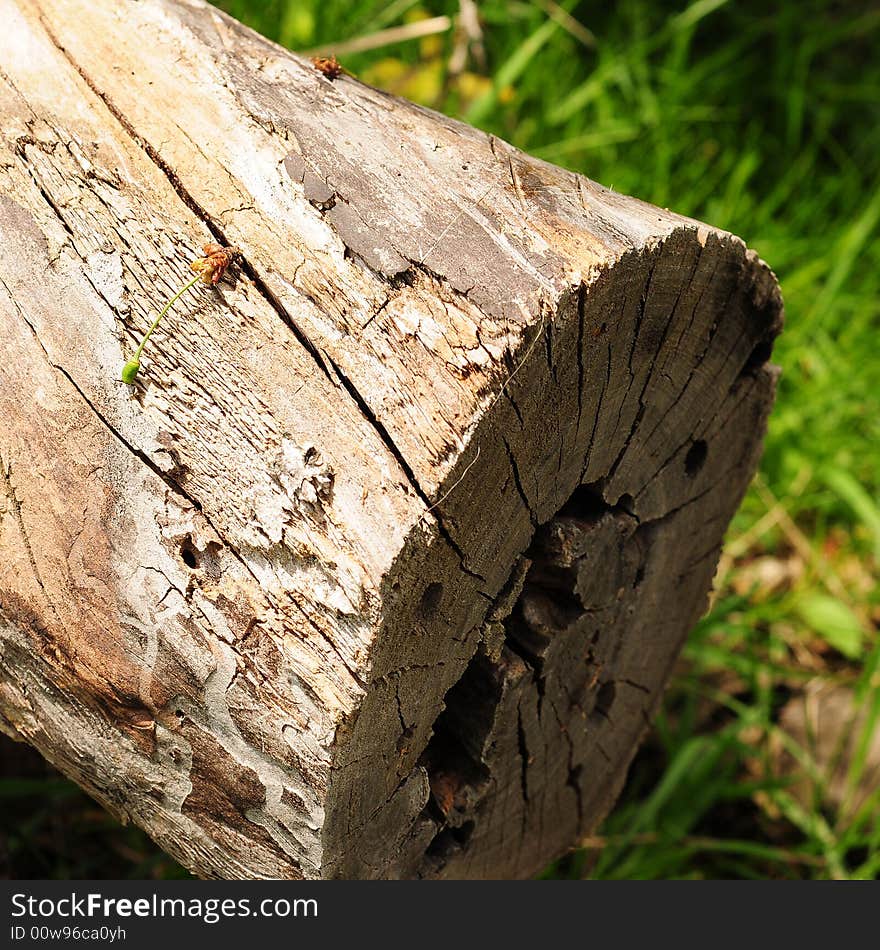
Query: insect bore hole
[626, 503]
[189, 555]
[758, 357]
[695, 458]
[605, 698]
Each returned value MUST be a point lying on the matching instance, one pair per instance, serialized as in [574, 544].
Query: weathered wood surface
[231, 606]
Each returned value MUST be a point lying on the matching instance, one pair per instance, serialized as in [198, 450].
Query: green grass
[51, 829]
[768, 125]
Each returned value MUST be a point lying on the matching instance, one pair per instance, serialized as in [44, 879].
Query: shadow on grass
[51, 830]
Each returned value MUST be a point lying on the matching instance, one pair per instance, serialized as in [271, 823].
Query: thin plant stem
[162, 312]
[130, 369]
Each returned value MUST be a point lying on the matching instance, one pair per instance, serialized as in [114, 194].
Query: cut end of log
[584, 539]
[381, 565]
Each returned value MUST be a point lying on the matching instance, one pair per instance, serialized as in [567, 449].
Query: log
[380, 567]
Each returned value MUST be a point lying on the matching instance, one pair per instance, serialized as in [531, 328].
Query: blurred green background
[762, 119]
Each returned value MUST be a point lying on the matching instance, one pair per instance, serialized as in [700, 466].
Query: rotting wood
[239, 603]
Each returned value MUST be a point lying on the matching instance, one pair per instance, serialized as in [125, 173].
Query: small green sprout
[209, 270]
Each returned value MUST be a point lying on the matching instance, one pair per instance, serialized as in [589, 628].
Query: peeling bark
[381, 568]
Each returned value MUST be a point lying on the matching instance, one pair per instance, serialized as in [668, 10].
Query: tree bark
[380, 568]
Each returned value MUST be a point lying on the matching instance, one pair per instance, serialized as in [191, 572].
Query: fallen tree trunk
[380, 568]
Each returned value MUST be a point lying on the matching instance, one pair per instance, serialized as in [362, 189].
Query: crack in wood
[191, 203]
[266, 292]
[649, 375]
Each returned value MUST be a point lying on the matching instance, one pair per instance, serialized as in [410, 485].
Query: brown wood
[380, 568]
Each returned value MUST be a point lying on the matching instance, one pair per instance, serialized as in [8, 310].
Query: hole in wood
[758, 357]
[455, 775]
[586, 504]
[695, 458]
[625, 503]
[605, 699]
[463, 760]
[189, 555]
[450, 839]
